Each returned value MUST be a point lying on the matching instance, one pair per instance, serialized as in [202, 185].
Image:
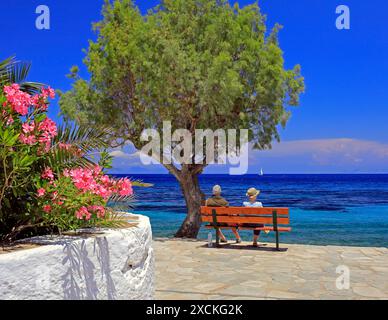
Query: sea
[325, 209]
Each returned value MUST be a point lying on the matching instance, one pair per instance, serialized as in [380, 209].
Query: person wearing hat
[217, 201]
[252, 195]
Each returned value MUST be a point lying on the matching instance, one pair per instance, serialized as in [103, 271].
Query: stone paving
[187, 269]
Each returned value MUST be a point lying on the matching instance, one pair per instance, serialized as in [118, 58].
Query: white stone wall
[114, 264]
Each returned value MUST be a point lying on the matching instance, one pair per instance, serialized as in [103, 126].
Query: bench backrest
[267, 215]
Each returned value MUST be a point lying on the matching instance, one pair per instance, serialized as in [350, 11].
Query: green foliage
[32, 201]
[21, 167]
[199, 63]
[19, 164]
[105, 160]
[32, 144]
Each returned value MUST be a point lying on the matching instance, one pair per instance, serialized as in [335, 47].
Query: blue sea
[324, 209]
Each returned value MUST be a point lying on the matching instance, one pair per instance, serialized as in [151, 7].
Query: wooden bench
[273, 219]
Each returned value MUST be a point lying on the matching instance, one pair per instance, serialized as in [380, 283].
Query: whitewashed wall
[114, 264]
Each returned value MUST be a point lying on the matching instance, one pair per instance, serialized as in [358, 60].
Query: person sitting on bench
[217, 201]
[252, 195]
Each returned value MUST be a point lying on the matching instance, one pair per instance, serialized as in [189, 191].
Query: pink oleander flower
[19, 100]
[105, 180]
[28, 127]
[46, 147]
[92, 180]
[29, 140]
[35, 100]
[59, 202]
[48, 174]
[47, 208]
[9, 121]
[83, 179]
[45, 141]
[83, 212]
[39, 102]
[103, 192]
[99, 210]
[96, 170]
[41, 192]
[48, 92]
[124, 187]
[49, 127]
[86, 179]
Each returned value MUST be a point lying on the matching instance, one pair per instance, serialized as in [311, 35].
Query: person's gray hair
[216, 189]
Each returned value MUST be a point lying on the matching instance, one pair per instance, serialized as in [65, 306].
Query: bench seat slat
[242, 215]
[244, 210]
[280, 229]
[245, 219]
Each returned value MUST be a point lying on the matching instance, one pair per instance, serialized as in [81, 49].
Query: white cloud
[121, 154]
[324, 155]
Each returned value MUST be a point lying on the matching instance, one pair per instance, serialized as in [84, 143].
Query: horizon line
[215, 174]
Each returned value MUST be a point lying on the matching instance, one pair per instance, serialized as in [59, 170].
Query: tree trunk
[193, 196]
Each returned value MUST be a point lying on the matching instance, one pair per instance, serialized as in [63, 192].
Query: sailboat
[261, 173]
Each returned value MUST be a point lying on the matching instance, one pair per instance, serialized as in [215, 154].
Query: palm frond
[82, 141]
[116, 219]
[18, 71]
[122, 203]
[31, 87]
[84, 137]
[5, 65]
[13, 71]
[67, 159]
[117, 198]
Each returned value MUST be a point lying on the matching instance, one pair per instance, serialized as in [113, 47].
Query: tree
[201, 64]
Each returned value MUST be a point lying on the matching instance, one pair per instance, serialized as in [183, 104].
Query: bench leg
[277, 240]
[217, 237]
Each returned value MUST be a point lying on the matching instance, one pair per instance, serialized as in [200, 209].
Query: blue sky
[340, 125]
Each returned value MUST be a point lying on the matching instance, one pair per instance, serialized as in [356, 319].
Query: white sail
[261, 172]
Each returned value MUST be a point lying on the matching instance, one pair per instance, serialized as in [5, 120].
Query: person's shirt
[216, 201]
[256, 204]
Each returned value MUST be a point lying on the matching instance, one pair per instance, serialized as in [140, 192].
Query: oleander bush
[49, 181]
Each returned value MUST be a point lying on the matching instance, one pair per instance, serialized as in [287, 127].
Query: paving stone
[370, 292]
[191, 270]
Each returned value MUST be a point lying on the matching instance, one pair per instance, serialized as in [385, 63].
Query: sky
[340, 125]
